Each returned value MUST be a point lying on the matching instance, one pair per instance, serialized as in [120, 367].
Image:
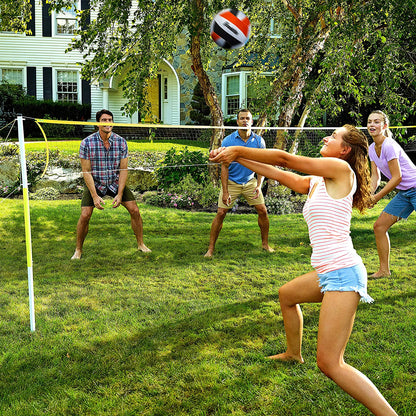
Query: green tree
[334, 55]
[14, 15]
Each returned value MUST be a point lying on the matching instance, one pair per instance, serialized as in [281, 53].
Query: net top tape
[186, 126]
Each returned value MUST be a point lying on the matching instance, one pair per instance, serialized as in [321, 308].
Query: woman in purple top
[389, 158]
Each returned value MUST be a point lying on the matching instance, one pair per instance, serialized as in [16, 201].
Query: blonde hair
[387, 131]
[357, 159]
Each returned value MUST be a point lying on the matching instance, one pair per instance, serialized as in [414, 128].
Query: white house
[40, 64]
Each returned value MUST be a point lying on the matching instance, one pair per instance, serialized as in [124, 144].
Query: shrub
[170, 200]
[46, 193]
[187, 194]
[279, 206]
[204, 194]
[9, 190]
[9, 150]
[177, 164]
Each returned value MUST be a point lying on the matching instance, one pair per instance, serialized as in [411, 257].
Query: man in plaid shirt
[104, 166]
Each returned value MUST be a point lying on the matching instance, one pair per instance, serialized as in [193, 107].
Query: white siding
[37, 51]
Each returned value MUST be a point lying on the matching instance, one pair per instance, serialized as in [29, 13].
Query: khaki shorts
[247, 190]
[87, 200]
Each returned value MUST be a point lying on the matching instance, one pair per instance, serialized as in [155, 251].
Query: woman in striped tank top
[336, 183]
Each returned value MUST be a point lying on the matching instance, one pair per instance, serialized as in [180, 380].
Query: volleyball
[230, 29]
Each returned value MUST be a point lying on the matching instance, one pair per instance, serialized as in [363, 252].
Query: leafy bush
[9, 150]
[187, 194]
[279, 206]
[46, 193]
[35, 165]
[177, 164]
[14, 101]
[169, 200]
[204, 194]
[9, 190]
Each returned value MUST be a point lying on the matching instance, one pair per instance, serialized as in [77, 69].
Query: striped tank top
[329, 222]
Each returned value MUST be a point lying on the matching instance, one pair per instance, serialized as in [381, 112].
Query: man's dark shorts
[87, 200]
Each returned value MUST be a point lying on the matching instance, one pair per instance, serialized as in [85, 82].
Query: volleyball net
[152, 142]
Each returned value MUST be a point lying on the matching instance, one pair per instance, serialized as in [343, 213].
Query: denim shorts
[403, 204]
[348, 279]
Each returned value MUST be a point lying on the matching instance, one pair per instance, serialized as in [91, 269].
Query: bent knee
[326, 364]
[380, 228]
[285, 296]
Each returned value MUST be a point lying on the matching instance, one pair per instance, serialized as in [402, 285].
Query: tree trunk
[207, 88]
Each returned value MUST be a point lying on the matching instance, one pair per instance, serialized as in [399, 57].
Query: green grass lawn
[72, 146]
[172, 333]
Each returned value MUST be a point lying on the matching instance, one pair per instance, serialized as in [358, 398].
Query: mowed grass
[172, 333]
[72, 146]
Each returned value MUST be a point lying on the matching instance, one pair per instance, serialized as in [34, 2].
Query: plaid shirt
[105, 163]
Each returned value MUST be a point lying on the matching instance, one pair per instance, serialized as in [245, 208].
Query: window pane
[12, 76]
[233, 85]
[233, 105]
[66, 21]
[67, 86]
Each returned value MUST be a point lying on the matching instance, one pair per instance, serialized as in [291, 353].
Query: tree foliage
[14, 15]
[325, 56]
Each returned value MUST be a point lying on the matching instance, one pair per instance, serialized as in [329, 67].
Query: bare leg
[82, 230]
[263, 221]
[381, 227]
[335, 325]
[216, 227]
[303, 289]
[136, 224]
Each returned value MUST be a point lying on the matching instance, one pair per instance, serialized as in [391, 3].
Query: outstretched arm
[328, 167]
[297, 183]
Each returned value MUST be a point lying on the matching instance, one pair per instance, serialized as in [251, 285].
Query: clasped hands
[223, 155]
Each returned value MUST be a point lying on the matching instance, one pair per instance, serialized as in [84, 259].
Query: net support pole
[28, 236]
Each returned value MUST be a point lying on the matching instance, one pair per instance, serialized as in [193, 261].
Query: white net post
[27, 221]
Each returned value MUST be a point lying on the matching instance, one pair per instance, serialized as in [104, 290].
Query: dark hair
[101, 112]
[357, 159]
[244, 110]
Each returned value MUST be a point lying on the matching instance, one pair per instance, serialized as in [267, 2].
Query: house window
[67, 86]
[232, 99]
[66, 20]
[240, 89]
[11, 75]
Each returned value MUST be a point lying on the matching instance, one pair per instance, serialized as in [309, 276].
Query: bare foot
[77, 255]
[144, 249]
[286, 357]
[268, 249]
[380, 273]
[209, 253]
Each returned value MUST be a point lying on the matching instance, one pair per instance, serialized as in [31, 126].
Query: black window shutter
[46, 20]
[47, 83]
[85, 5]
[31, 23]
[31, 80]
[86, 92]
